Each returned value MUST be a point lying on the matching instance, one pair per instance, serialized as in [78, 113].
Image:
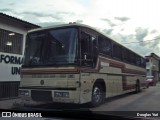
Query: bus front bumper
[50, 96]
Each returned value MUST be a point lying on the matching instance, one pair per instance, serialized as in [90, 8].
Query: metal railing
[9, 89]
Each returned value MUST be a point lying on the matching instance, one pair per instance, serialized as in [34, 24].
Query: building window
[11, 42]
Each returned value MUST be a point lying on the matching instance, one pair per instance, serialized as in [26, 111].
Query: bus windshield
[51, 47]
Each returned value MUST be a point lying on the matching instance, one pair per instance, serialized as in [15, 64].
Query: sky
[132, 23]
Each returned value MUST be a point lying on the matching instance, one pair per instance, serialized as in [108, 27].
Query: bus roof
[82, 25]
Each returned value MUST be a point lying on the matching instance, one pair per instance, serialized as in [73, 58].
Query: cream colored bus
[74, 63]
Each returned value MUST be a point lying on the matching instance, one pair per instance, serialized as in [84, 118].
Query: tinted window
[117, 51]
[104, 45]
[132, 58]
[88, 49]
[51, 47]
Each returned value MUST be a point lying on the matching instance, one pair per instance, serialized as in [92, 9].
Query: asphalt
[8, 103]
[146, 100]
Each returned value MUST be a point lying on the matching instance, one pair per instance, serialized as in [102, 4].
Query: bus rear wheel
[97, 95]
[138, 87]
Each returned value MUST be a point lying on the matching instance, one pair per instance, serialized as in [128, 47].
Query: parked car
[149, 80]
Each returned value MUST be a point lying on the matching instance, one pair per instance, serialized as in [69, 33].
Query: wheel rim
[96, 94]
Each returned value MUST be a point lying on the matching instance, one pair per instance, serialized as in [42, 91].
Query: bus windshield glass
[51, 47]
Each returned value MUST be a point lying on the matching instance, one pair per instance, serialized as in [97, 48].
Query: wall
[10, 63]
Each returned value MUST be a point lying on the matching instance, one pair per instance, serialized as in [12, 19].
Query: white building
[12, 39]
[152, 68]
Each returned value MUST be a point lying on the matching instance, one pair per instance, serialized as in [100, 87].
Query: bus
[75, 63]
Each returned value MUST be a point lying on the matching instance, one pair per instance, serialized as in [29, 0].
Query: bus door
[88, 48]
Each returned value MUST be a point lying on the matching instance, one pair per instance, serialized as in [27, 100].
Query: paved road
[147, 100]
[145, 103]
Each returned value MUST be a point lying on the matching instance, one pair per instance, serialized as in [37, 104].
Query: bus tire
[97, 95]
[138, 87]
[147, 86]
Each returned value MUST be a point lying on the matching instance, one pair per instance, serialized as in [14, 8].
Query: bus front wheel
[97, 95]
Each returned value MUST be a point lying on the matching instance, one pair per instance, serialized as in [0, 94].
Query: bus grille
[41, 95]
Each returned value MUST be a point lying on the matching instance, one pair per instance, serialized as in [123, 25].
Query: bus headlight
[24, 92]
[61, 94]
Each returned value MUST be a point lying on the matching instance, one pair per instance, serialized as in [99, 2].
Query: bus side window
[138, 61]
[104, 45]
[117, 51]
[124, 56]
[132, 58]
[128, 56]
[88, 50]
[143, 62]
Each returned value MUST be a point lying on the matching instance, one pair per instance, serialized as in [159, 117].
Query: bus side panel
[113, 80]
[86, 81]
